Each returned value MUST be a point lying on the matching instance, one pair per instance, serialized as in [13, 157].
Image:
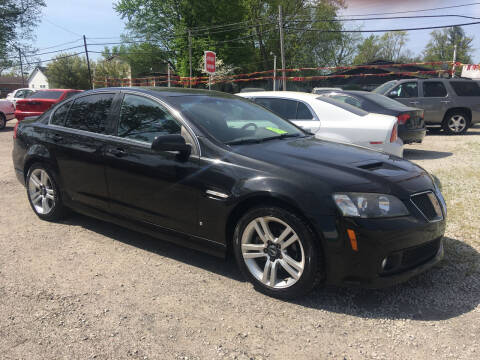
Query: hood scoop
[380, 168]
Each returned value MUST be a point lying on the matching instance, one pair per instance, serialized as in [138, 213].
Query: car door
[434, 101]
[150, 186]
[77, 139]
[406, 93]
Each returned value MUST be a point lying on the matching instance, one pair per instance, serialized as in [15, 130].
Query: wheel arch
[264, 199]
[465, 110]
[37, 154]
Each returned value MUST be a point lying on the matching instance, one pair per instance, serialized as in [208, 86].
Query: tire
[44, 193]
[298, 267]
[3, 121]
[456, 123]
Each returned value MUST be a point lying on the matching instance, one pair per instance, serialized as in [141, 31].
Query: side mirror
[392, 94]
[174, 142]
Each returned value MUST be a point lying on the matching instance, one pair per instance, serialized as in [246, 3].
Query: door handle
[57, 137]
[118, 152]
[414, 102]
[445, 101]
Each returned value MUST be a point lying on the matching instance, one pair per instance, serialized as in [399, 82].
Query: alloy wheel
[273, 252]
[41, 191]
[457, 123]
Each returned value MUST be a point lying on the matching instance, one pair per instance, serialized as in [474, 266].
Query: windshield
[234, 120]
[382, 89]
[46, 95]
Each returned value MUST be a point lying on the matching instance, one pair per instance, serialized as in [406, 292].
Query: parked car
[19, 94]
[411, 127]
[41, 101]
[452, 104]
[321, 90]
[214, 172]
[333, 120]
[7, 112]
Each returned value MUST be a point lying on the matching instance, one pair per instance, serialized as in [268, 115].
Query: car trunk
[414, 119]
[35, 105]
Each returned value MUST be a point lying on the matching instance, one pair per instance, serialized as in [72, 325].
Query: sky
[65, 21]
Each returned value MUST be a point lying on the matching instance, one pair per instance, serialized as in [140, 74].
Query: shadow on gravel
[417, 154]
[160, 247]
[450, 289]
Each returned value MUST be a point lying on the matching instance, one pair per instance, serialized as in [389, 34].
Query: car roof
[165, 92]
[296, 95]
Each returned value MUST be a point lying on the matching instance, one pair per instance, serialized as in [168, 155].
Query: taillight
[403, 118]
[394, 135]
[15, 130]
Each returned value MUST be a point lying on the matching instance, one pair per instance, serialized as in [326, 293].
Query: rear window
[46, 95]
[385, 101]
[465, 88]
[434, 89]
[344, 106]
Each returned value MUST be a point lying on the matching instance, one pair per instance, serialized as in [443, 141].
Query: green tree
[391, 46]
[442, 43]
[68, 72]
[18, 18]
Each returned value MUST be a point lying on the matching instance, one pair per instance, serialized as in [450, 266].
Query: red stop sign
[210, 57]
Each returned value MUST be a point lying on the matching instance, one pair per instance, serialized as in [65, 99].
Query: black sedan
[215, 172]
[411, 127]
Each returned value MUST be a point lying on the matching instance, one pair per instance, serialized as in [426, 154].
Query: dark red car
[41, 101]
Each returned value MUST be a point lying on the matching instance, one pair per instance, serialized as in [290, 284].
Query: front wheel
[44, 194]
[456, 123]
[277, 252]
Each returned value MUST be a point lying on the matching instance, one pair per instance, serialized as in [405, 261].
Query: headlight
[369, 205]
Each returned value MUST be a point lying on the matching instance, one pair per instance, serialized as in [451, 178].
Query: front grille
[427, 203]
[410, 258]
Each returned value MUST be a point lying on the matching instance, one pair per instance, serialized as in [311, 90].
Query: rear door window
[434, 89]
[465, 88]
[282, 107]
[90, 113]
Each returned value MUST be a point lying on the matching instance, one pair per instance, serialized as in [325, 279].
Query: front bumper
[411, 136]
[390, 251]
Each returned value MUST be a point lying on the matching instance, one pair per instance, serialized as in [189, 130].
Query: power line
[61, 27]
[381, 18]
[419, 10]
[387, 30]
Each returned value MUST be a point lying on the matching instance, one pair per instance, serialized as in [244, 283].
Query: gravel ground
[87, 289]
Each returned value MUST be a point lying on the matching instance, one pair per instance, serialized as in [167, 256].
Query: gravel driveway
[86, 289]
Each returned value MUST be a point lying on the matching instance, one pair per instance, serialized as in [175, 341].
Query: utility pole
[274, 71]
[454, 65]
[282, 50]
[168, 72]
[190, 56]
[21, 66]
[88, 61]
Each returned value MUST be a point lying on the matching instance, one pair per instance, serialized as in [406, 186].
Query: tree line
[245, 36]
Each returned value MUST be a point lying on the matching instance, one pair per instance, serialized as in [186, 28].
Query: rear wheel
[277, 252]
[3, 121]
[44, 194]
[456, 123]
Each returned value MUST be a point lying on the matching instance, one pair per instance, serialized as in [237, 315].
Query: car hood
[341, 167]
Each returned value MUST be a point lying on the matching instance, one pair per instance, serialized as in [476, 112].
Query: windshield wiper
[257, 141]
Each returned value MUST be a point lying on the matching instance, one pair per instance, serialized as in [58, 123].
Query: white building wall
[38, 81]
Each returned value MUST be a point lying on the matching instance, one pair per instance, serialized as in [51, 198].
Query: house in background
[9, 84]
[37, 79]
